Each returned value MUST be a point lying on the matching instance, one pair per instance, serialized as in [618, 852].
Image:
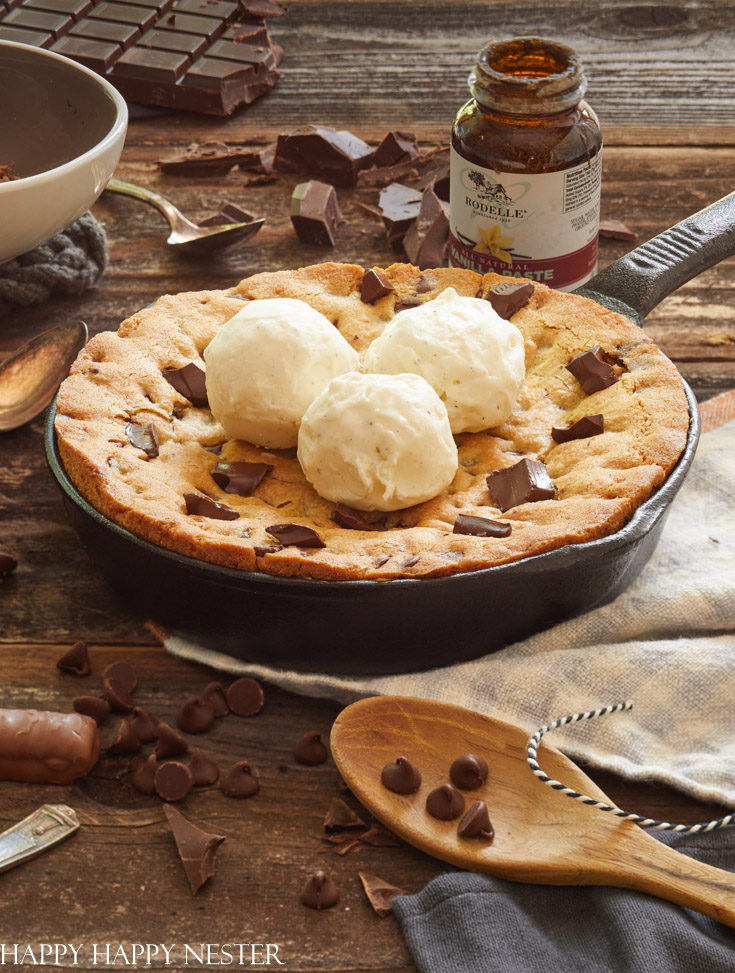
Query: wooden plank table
[661, 78]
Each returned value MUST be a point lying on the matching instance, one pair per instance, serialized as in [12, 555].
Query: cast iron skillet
[359, 627]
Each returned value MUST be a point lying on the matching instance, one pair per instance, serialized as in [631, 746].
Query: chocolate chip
[8, 564]
[320, 892]
[592, 371]
[118, 697]
[425, 284]
[195, 716]
[341, 817]
[94, 706]
[353, 519]
[374, 286]
[197, 849]
[260, 551]
[445, 803]
[203, 769]
[125, 740]
[480, 526]
[240, 782]
[144, 776]
[295, 534]
[216, 448]
[310, 750]
[197, 505]
[509, 297]
[245, 697]
[395, 147]
[525, 482]
[581, 429]
[240, 478]
[214, 695]
[173, 781]
[401, 777]
[76, 660]
[412, 561]
[143, 437]
[427, 238]
[315, 213]
[123, 674]
[476, 823]
[468, 772]
[189, 381]
[170, 743]
[380, 893]
[145, 724]
[405, 305]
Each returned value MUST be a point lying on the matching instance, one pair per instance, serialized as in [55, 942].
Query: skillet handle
[637, 282]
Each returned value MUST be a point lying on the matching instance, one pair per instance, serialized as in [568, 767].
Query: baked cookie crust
[117, 379]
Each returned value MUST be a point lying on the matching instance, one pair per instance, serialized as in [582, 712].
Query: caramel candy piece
[46, 748]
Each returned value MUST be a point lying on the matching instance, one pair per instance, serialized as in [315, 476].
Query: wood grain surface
[661, 78]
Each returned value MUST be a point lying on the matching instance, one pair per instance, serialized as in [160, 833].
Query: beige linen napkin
[667, 644]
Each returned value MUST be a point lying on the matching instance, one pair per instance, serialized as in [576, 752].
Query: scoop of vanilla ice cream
[267, 364]
[377, 442]
[472, 358]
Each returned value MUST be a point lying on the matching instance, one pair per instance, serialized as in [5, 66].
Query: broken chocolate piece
[145, 724]
[245, 697]
[170, 743]
[405, 304]
[616, 230]
[310, 750]
[125, 739]
[197, 505]
[123, 674]
[203, 769]
[400, 206]
[476, 823]
[195, 716]
[173, 781]
[395, 147]
[76, 660]
[94, 706]
[427, 238]
[240, 478]
[118, 696]
[480, 526]
[468, 772]
[228, 213]
[204, 159]
[341, 817]
[353, 519]
[197, 848]
[315, 213]
[190, 382]
[323, 152]
[214, 695]
[144, 776]
[320, 892]
[401, 776]
[581, 429]
[295, 534]
[509, 297]
[445, 803]
[8, 564]
[241, 781]
[380, 893]
[260, 551]
[423, 168]
[525, 482]
[262, 8]
[374, 286]
[592, 371]
[144, 438]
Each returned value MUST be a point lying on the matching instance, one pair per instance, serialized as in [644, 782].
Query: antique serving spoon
[184, 233]
[540, 834]
[30, 375]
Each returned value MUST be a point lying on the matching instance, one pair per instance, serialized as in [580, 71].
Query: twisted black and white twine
[533, 744]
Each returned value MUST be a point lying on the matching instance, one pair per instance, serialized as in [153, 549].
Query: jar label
[541, 226]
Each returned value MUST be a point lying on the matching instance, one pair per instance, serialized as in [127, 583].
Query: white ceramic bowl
[62, 129]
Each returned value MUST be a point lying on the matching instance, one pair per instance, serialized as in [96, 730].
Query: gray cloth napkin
[667, 643]
[466, 923]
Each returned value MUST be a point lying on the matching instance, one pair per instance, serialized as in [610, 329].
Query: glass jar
[526, 166]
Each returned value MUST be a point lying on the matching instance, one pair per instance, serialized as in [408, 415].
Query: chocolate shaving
[8, 564]
[525, 482]
[480, 527]
[427, 238]
[380, 893]
[197, 848]
[592, 370]
[616, 230]
[509, 297]
[144, 438]
[374, 286]
[240, 478]
[76, 660]
[581, 429]
[197, 505]
[190, 382]
[295, 534]
[340, 817]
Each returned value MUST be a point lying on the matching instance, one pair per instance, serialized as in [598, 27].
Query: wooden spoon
[540, 834]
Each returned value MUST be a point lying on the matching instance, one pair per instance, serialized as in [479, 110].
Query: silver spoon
[30, 375]
[184, 233]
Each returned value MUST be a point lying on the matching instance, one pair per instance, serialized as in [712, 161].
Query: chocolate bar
[190, 54]
[46, 748]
